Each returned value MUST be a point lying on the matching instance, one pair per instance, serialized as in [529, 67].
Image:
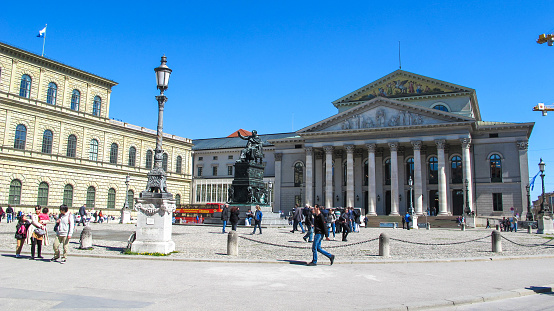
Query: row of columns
[372, 185]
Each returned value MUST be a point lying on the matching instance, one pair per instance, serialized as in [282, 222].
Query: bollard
[530, 229]
[463, 226]
[233, 243]
[497, 227]
[496, 241]
[86, 238]
[428, 226]
[384, 245]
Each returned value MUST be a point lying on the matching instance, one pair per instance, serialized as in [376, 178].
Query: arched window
[387, 172]
[496, 168]
[344, 173]
[441, 108]
[15, 192]
[132, 156]
[149, 159]
[433, 170]
[42, 198]
[25, 86]
[68, 195]
[75, 100]
[47, 138]
[96, 105]
[111, 198]
[178, 165]
[130, 197]
[20, 137]
[113, 153]
[91, 196]
[71, 147]
[164, 162]
[366, 173]
[456, 170]
[298, 174]
[93, 153]
[409, 169]
[178, 200]
[52, 93]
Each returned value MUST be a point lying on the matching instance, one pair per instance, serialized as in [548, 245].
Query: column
[338, 178]
[277, 186]
[443, 202]
[371, 189]
[394, 179]
[466, 171]
[349, 175]
[524, 177]
[319, 177]
[418, 190]
[309, 176]
[328, 175]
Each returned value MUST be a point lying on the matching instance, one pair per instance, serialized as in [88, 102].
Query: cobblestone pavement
[207, 242]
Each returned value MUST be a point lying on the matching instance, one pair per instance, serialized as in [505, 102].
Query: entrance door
[434, 202]
[366, 203]
[457, 202]
[387, 202]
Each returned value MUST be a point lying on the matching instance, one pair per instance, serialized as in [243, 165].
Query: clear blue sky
[234, 60]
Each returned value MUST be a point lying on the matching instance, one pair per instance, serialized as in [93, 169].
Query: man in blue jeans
[320, 230]
[225, 216]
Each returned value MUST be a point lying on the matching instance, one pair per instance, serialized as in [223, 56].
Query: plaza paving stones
[208, 243]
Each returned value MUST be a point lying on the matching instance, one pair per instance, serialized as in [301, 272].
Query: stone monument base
[545, 224]
[154, 226]
[125, 216]
[413, 223]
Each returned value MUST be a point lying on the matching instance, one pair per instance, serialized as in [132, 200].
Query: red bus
[196, 213]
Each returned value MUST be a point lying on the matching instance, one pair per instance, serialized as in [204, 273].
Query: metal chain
[526, 245]
[440, 244]
[305, 247]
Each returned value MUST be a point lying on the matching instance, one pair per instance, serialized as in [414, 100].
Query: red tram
[196, 213]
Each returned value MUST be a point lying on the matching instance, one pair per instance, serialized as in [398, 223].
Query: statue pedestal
[125, 216]
[155, 212]
[413, 223]
[545, 224]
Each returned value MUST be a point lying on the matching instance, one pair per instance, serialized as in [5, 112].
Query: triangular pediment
[402, 84]
[382, 113]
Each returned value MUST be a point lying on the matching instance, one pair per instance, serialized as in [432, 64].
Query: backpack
[21, 231]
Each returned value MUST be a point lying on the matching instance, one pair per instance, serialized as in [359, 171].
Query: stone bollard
[233, 243]
[497, 227]
[86, 238]
[428, 227]
[530, 229]
[384, 245]
[496, 241]
[463, 226]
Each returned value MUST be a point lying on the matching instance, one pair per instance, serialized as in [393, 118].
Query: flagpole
[44, 40]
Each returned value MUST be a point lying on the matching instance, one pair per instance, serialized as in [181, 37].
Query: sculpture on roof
[253, 152]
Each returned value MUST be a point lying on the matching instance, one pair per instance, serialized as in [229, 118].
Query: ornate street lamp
[127, 180]
[411, 184]
[541, 168]
[529, 214]
[467, 210]
[125, 213]
[157, 176]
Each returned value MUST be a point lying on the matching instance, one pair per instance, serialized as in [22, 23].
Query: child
[21, 233]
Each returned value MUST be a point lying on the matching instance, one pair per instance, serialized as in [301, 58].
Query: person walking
[9, 214]
[36, 233]
[83, 214]
[308, 221]
[225, 216]
[234, 217]
[64, 230]
[332, 219]
[320, 230]
[344, 220]
[297, 219]
[258, 219]
[408, 219]
[1, 213]
[21, 230]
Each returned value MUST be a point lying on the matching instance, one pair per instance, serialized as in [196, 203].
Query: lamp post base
[545, 224]
[154, 223]
[413, 223]
[125, 216]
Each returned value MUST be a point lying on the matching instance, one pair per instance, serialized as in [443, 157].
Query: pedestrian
[36, 233]
[408, 219]
[64, 230]
[248, 219]
[83, 214]
[320, 229]
[308, 221]
[9, 212]
[488, 224]
[403, 223]
[21, 233]
[366, 220]
[258, 220]
[343, 222]
[1, 213]
[234, 213]
[332, 221]
[297, 219]
[225, 216]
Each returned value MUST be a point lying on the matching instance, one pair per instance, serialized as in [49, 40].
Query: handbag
[40, 231]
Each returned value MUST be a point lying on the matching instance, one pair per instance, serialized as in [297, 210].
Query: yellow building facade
[59, 145]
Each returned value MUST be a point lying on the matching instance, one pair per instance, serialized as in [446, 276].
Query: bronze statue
[253, 152]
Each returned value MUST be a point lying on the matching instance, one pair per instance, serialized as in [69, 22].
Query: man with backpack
[64, 230]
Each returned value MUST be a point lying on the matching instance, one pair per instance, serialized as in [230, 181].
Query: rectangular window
[215, 157]
[230, 170]
[214, 171]
[230, 157]
[199, 171]
[497, 202]
[200, 158]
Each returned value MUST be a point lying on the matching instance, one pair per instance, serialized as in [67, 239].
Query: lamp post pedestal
[413, 224]
[125, 216]
[154, 221]
[545, 223]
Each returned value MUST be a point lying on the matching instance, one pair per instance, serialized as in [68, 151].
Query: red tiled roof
[242, 132]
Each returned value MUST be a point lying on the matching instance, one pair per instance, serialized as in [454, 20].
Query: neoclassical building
[403, 127]
[60, 146]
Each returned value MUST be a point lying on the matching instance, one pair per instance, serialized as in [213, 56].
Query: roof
[234, 142]
[242, 132]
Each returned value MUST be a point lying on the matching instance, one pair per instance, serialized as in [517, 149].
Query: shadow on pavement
[541, 289]
[295, 262]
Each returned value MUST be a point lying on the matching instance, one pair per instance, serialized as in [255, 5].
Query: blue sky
[286, 61]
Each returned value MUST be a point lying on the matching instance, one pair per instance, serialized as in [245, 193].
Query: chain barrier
[306, 247]
[440, 244]
[526, 245]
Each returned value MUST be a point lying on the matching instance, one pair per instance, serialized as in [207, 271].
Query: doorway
[366, 203]
[457, 202]
[387, 202]
[434, 202]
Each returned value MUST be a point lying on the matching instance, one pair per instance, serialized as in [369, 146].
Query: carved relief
[465, 142]
[416, 144]
[522, 145]
[278, 156]
[398, 118]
